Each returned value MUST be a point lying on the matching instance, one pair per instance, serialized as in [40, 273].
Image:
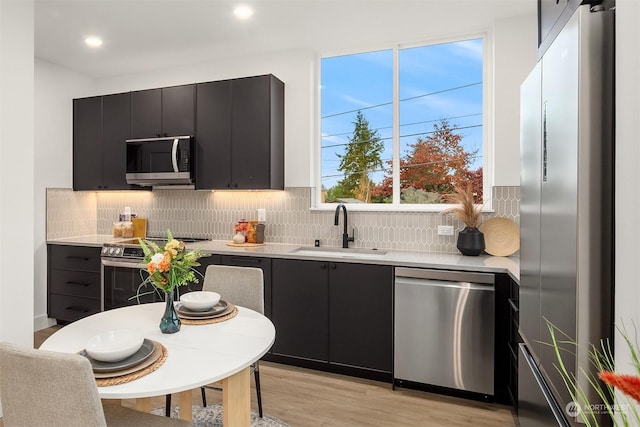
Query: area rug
[211, 416]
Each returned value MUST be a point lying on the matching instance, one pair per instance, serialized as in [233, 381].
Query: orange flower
[165, 264]
[151, 267]
[628, 384]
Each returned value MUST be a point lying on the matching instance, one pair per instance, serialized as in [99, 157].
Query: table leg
[236, 399]
[185, 402]
[143, 404]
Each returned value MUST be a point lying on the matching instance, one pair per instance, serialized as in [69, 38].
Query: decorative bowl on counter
[200, 300]
[115, 345]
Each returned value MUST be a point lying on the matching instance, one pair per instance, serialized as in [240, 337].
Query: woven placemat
[121, 379]
[233, 313]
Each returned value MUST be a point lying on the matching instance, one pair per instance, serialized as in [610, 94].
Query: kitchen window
[400, 127]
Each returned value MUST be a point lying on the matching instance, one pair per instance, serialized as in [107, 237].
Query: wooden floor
[306, 398]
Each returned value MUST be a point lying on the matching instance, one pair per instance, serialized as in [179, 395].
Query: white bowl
[113, 346]
[200, 300]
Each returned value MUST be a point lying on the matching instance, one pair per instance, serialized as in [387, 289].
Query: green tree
[336, 192]
[361, 157]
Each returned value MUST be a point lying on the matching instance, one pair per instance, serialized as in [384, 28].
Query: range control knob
[118, 251]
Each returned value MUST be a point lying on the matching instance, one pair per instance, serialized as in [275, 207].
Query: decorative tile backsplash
[289, 219]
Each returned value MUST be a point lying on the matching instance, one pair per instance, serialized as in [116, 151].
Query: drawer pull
[83, 258]
[246, 260]
[80, 309]
[70, 282]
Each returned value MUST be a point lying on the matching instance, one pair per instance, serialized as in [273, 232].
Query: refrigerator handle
[544, 143]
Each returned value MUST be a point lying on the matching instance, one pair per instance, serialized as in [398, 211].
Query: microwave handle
[174, 155]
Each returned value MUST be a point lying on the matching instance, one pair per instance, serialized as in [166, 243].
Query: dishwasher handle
[433, 283]
[446, 275]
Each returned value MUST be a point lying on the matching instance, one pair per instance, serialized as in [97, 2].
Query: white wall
[627, 292]
[515, 54]
[54, 89]
[16, 171]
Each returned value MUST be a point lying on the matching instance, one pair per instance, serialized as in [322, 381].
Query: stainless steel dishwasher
[444, 329]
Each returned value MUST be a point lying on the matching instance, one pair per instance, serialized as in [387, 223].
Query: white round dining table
[196, 355]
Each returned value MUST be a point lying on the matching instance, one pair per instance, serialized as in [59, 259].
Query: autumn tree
[361, 157]
[435, 164]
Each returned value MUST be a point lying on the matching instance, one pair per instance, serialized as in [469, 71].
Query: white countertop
[485, 263]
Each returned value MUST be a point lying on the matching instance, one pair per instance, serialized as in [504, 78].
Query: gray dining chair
[49, 389]
[241, 286]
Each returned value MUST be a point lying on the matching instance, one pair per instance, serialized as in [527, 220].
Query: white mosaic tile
[289, 219]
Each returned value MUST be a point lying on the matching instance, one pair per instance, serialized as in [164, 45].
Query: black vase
[470, 241]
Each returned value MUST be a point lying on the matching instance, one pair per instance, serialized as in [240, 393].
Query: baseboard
[42, 322]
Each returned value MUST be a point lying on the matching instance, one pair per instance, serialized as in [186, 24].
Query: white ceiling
[150, 34]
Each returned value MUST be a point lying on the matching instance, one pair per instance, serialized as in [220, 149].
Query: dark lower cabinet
[507, 339]
[360, 316]
[514, 341]
[73, 282]
[300, 298]
[334, 316]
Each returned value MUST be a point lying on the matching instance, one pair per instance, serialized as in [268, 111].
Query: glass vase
[170, 323]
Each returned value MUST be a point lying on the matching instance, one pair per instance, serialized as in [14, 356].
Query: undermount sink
[339, 252]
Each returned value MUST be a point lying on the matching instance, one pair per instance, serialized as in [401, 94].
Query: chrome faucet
[345, 235]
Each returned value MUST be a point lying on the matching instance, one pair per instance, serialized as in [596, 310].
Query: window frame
[487, 127]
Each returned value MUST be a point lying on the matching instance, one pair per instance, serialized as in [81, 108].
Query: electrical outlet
[262, 215]
[445, 230]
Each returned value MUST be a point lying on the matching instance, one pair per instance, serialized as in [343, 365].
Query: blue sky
[437, 81]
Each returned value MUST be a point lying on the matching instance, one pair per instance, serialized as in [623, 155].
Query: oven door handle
[123, 264]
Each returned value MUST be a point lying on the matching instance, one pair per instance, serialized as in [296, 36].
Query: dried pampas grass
[467, 211]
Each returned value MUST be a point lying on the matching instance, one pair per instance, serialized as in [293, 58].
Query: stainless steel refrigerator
[566, 210]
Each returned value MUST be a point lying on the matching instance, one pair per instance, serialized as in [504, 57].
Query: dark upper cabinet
[87, 143]
[116, 128]
[213, 135]
[161, 112]
[552, 15]
[101, 124]
[146, 113]
[240, 134]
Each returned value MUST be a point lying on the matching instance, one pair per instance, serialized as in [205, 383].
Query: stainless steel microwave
[161, 161]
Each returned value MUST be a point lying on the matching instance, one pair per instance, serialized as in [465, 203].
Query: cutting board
[245, 245]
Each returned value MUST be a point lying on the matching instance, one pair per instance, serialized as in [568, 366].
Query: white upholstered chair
[241, 286]
[44, 388]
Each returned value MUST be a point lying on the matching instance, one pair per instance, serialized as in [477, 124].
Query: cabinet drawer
[74, 258]
[74, 283]
[69, 308]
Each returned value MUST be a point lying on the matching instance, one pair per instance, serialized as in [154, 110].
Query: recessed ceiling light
[243, 12]
[93, 41]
